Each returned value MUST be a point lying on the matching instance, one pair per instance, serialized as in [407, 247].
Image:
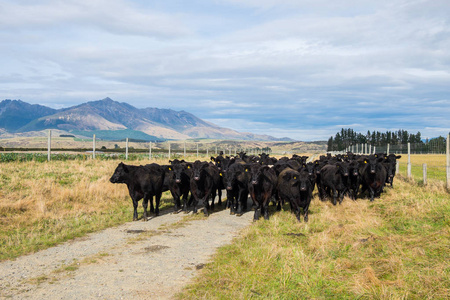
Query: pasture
[395, 247]
[436, 164]
[43, 204]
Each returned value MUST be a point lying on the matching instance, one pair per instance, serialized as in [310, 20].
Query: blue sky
[301, 69]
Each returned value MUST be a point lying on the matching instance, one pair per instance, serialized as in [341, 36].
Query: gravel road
[137, 260]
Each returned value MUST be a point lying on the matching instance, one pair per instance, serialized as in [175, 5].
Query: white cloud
[293, 64]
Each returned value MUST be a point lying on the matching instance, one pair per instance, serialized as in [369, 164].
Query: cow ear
[365, 161]
[189, 165]
[213, 159]
[398, 157]
[170, 161]
[125, 167]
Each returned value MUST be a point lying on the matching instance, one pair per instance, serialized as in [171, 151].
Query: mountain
[109, 115]
[15, 114]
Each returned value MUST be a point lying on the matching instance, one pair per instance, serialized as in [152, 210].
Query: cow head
[257, 173]
[176, 171]
[120, 174]
[198, 168]
[343, 168]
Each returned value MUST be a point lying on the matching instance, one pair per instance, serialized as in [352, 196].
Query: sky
[302, 69]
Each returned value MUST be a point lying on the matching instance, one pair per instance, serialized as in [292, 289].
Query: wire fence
[64, 148]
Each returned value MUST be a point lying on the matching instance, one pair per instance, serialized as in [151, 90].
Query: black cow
[295, 187]
[179, 185]
[373, 176]
[334, 179]
[262, 187]
[391, 159]
[203, 184]
[142, 182]
[354, 179]
[266, 160]
[237, 178]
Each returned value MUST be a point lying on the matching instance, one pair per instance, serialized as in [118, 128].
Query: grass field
[43, 204]
[436, 166]
[394, 248]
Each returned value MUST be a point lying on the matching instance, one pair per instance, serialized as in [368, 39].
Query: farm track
[137, 260]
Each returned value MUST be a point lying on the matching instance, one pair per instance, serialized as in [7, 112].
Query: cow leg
[265, 213]
[157, 200]
[135, 205]
[144, 205]
[219, 193]
[205, 207]
[372, 193]
[152, 208]
[295, 209]
[194, 204]
[257, 214]
[335, 195]
[305, 213]
[185, 202]
[213, 196]
[341, 197]
[240, 204]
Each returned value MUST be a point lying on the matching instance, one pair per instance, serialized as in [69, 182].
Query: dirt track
[137, 260]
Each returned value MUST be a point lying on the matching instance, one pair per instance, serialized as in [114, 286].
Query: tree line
[348, 137]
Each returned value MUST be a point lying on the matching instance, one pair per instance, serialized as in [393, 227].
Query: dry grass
[43, 204]
[393, 248]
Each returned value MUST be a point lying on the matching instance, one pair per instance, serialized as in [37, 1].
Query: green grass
[394, 248]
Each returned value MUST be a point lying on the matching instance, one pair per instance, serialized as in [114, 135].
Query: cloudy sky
[297, 68]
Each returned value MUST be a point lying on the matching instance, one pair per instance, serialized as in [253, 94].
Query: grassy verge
[396, 247]
[43, 204]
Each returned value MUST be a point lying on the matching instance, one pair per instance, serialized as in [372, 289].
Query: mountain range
[110, 119]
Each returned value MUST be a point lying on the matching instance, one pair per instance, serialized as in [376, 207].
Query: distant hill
[112, 119]
[15, 114]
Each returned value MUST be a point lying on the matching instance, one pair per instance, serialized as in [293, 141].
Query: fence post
[409, 161]
[49, 145]
[150, 150]
[365, 150]
[169, 151]
[126, 149]
[387, 150]
[424, 167]
[93, 147]
[448, 161]
[397, 167]
[216, 151]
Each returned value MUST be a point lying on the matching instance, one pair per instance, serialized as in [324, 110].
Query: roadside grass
[394, 248]
[43, 204]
